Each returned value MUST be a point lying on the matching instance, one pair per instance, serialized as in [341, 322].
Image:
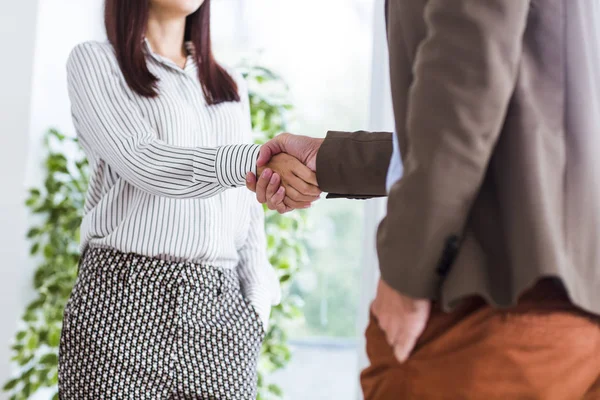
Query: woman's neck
[166, 37]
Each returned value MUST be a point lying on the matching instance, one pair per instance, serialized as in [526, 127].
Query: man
[489, 253]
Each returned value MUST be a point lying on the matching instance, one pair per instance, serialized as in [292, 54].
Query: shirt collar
[189, 63]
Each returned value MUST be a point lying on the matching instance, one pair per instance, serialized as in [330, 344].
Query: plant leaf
[10, 385]
[49, 359]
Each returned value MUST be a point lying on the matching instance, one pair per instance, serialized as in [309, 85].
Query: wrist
[311, 160]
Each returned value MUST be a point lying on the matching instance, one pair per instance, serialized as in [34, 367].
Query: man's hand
[267, 187]
[298, 182]
[304, 148]
[402, 318]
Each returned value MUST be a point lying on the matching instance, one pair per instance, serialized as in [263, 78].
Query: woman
[174, 289]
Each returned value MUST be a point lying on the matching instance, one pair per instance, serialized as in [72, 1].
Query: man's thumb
[267, 151]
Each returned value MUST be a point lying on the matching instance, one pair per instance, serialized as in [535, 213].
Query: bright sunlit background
[323, 49]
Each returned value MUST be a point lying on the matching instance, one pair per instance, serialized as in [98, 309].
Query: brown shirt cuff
[354, 165]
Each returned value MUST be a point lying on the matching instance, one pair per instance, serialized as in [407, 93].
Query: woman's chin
[179, 7]
[191, 6]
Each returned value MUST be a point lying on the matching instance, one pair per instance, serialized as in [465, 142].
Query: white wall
[61, 25]
[17, 38]
[35, 37]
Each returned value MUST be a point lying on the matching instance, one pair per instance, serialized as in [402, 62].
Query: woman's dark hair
[126, 21]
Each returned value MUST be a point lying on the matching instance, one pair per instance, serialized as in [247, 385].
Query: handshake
[286, 170]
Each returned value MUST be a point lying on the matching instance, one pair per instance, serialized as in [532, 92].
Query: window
[323, 50]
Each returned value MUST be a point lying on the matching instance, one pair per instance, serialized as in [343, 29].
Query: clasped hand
[287, 182]
[286, 167]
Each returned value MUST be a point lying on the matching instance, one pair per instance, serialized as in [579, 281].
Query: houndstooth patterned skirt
[142, 328]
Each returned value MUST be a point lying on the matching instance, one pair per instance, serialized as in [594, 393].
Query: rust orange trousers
[541, 349]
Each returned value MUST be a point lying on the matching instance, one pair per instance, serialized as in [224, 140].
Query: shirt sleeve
[258, 280]
[108, 121]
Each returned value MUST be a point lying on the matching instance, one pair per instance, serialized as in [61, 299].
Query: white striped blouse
[167, 172]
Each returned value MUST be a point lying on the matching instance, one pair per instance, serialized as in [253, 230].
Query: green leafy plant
[57, 208]
[286, 234]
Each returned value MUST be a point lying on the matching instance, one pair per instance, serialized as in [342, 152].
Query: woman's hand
[288, 179]
[268, 190]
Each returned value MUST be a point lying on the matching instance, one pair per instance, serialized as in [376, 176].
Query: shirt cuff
[233, 163]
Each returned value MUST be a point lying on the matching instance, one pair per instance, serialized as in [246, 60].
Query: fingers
[251, 182]
[291, 169]
[269, 149]
[282, 209]
[304, 173]
[404, 346]
[269, 191]
[392, 327]
[284, 195]
[264, 156]
[301, 186]
[295, 195]
[262, 184]
[401, 318]
[301, 179]
[401, 340]
[295, 205]
[273, 187]
[275, 202]
[277, 198]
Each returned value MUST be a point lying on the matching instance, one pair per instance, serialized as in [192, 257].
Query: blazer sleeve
[465, 72]
[354, 165]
